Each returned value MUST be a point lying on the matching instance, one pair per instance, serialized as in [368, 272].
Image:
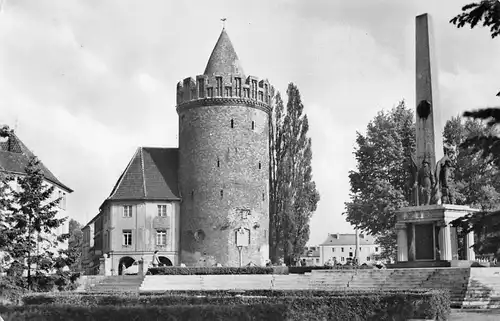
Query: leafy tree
[294, 196]
[381, 182]
[75, 242]
[32, 221]
[485, 224]
[5, 191]
[487, 11]
[476, 179]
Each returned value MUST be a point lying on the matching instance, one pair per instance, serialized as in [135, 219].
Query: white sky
[89, 81]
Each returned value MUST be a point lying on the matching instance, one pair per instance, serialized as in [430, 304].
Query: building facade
[342, 249]
[311, 256]
[14, 157]
[206, 202]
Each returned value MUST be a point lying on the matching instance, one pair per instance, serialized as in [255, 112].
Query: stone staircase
[483, 288]
[452, 279]
[469, 287]
[118, 283]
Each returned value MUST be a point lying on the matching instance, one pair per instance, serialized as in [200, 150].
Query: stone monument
[425, 237]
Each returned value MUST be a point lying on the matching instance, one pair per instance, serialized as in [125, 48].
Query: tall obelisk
[428, 120]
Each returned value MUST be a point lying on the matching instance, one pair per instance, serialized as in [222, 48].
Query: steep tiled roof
[15, 156]
[223, 60]
[151, 174]
[348, 239]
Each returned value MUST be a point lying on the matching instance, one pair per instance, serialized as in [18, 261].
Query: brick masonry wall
[213, 159]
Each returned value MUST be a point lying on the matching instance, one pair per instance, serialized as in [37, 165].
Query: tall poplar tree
[294, 196]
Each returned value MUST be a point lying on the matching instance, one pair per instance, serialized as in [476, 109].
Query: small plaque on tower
[242, 237]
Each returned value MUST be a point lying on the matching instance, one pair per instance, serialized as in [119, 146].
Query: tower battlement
[211, 88]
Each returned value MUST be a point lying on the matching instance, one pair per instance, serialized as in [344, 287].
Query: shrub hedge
[175, 270]
[300, 305]
[123, 313]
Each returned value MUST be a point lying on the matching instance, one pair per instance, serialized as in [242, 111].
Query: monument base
[425, 235]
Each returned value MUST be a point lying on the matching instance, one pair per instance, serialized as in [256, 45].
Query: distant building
[311, 256]
[14, 157]
[342, 248]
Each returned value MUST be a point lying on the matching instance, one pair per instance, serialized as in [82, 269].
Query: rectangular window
[333, 249]
[266, 91]
[218, 89]
[342, 259]
[161, 237]
[210, 92]
[162, 210]
[342, 249]
[245, 92]
[127, 238]
[60, 205]
[368, 258]
[238, 87]
[127, 211]
[350, 254]
[261, 96]
[229, 92]
[254, 89]
[376, 249]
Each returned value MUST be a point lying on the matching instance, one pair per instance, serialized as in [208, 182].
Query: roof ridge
[142, 172]
[115, 188]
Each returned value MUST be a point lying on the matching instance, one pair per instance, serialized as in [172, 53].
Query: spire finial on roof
[223, 23]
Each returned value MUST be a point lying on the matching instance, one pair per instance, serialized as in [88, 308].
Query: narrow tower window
[260, 165]
[263, 197]
[218, 162]
[192, 194]
[253, 125]
[221, 193]
[232, 123]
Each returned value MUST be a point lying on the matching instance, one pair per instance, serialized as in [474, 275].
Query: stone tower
[224, 162]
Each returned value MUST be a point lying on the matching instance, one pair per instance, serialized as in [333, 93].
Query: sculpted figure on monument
[413, 181]
[425, 182]
[443, 181]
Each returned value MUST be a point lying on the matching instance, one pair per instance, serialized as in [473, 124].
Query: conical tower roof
[223, 60]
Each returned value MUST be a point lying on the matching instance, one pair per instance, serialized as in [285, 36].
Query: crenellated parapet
[224, 90]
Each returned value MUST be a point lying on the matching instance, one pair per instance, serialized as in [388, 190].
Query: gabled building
[15, 156]
[342, 248]
[140, 215]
